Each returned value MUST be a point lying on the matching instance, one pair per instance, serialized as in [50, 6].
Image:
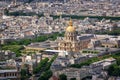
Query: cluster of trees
[45, 75]
[113, 32]
[21, 13]
[41, 38]
[114, 70]
[95, 59]
[85, 63]
[88, 51]
[17, 45]
[43, 68]
[14, 48]
[25, 74]
[87, 78]
[73, 79]
[64, 77]
[82, 17]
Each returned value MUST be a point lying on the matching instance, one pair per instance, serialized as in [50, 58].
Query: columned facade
[70, 42]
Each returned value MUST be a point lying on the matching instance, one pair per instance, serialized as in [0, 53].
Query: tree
[114, 70]
[42, 78]
[41, 66]
[62, 77]
[24, 74]
[73, 79]
[14, 48]
[45, 75]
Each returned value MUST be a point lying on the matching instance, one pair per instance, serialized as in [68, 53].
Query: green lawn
[14, 48]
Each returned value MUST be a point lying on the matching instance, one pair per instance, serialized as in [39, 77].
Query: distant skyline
[61, 0]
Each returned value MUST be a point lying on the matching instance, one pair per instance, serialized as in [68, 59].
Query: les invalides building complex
[70, 42]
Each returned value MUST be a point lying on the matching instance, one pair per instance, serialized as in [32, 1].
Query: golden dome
[70, 28]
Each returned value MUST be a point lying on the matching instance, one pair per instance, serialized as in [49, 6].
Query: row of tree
[114, 70]
[41, 38]
[82, 17]
[14, 48]
[113, 32]
[95, 59]
[43, 68]
[20, 13]
[64, 77]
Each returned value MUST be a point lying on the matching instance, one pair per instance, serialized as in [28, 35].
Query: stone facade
[10, 74]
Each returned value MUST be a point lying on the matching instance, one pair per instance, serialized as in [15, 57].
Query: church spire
[70, 22]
